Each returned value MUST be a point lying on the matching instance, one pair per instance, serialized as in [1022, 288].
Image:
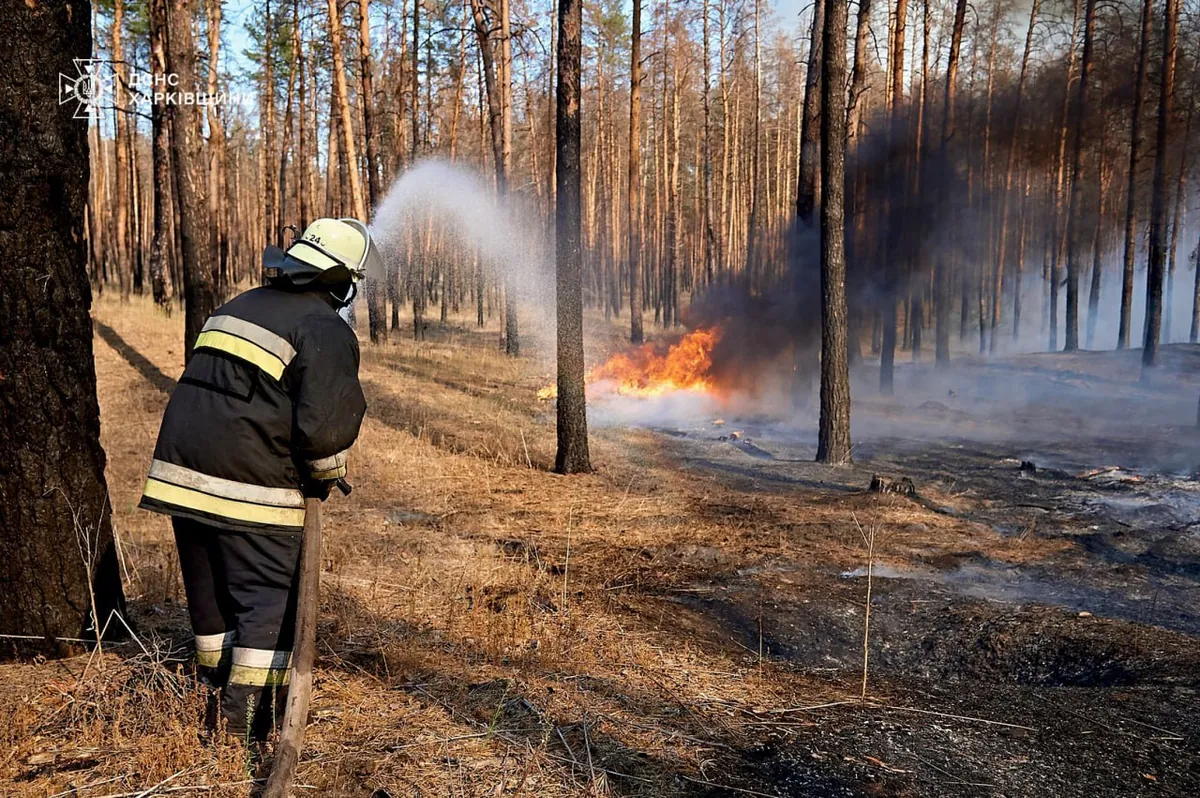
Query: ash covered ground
[1070, 638]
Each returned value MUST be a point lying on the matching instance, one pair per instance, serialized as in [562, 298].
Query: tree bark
[808, 193]
[217, 167]
[160, 242]
[572, 456]
[1159, 193]
[58, 562]
[710, 236]
[1014, 144]
[199, 293]
[833, 439]
[121, 199]
[633, 222]
[1135, 156]
[941, 278]
[1074, 210]
[376, 299]
[887, 355]
[272, 233]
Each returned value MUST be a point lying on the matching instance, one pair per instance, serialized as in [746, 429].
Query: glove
[317, 488]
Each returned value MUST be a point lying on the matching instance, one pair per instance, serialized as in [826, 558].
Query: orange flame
[645, 371]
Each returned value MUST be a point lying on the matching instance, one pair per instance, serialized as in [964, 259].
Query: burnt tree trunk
[572, 456]
[833, 441]
[1135, 155]
[191, 177]
[808, 197]
[891, 279]
[1074, 210]
[1159, 194]
[56, 547]
[941, 276]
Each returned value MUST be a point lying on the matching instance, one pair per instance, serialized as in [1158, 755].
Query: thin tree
[887, 354]
[1159, 193]
[1075, 210]
[58, 565]
[941, 277]
[572, 456]
[191, 180]
[376, 298]
[833, 440]
[160, 244]
[633, 221]
[710, 237]
[1135, 155]
[1010, 169]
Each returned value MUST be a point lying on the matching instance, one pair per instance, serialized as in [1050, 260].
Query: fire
[645, 371]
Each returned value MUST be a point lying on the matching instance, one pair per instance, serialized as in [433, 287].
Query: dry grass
[461, 651]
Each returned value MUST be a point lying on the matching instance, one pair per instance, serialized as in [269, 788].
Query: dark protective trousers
[241, 594]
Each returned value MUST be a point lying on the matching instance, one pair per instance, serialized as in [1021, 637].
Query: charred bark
[833, 440]
[1135, 155]
[58, 561]
[1159, 195]
[572, 456]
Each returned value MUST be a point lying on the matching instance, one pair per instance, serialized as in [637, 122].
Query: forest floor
[689, 619]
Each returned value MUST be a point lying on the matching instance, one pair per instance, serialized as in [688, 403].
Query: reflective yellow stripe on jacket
[192, 490]
[247, 341]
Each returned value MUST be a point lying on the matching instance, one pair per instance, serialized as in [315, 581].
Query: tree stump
[902, 486]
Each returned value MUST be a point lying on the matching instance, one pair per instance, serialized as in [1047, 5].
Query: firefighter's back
[225, 452]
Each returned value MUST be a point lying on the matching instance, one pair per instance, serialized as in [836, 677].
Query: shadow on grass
[152, 373]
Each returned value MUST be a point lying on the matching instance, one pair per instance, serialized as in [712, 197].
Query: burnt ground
[1072, 649]
[688, 620]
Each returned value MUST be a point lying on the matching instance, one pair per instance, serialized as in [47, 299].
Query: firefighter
[263, 416]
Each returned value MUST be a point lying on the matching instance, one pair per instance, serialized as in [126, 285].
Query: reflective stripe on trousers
[212, 649]
[260, 667]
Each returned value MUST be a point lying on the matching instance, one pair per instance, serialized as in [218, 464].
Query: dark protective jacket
[269, 402]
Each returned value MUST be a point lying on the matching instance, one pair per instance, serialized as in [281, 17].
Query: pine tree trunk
[1014, 145]
[191, 183]
[376, 299]
[121, 109]
[217, 167]
[710, 236]
[1074, 210]
[887, 355]
[572, 456]
[58, 561]
[160, 244]
[942, 298]
[833, 440]
[633, 222]
[1159, 195]
[267, 148]
[1135, 155]
[512, 339]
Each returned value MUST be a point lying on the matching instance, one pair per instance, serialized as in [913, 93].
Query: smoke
[442, 207]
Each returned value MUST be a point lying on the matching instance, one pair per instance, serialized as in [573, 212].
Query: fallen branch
[950, 715]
